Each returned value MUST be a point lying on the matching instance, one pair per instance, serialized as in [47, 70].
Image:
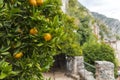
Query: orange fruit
[47, 36]
[33, 2]
[39, 2]
[18, 55]
[33, 31]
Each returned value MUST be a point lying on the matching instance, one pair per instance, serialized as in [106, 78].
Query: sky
[109, 8]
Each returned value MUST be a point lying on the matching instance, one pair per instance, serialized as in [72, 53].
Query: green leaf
[1, 25]
[56, 21]
[40, 44]
[18, 44]
[1, 1]
[5, 49]
[1, 62]
[3, 75]
[4, 64]
[15, 10]
[59, 47]
[8, 42]
[5, 53]
[38, 67]
[14, 72]
[1, 34]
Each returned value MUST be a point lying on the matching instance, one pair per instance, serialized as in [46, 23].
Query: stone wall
[104, 70]
[76, 69]
[74, 64]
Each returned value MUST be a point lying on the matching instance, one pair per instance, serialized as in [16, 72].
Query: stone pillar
[74, 64]
[104, 70]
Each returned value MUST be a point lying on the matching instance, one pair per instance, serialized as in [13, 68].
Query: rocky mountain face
[113, 24]
[84, 19]
[106, 27]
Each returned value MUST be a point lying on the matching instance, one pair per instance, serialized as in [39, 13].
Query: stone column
[74, 64]
[104, 70]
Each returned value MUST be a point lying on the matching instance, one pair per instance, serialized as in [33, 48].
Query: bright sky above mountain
[110, 8]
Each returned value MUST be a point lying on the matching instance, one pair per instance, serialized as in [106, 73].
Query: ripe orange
[33, 31]
[33, 2]
[39, 2]
[18, 55]
[47, 36]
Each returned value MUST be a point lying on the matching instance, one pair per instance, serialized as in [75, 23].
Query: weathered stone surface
[70, 64]
[76, 69]
[86, 75]
[104, 70]
[74, 64]
[72, 68]
[79, 62]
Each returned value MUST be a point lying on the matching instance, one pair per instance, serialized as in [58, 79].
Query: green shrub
[6, 70]
[94, 51]
[24, 44]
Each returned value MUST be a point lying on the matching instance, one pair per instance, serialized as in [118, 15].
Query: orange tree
[32, 32]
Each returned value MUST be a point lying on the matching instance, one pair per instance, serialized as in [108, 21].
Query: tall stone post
[74, 64]
[104, 70]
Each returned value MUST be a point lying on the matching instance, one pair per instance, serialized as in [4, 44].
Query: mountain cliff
[113, 24]
[86, 21]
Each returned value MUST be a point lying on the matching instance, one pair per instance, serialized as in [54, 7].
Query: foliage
[84, 20]
[22, 31]
[71, 47]
[6, 70]
[111, 24]
[94, 51]
[104, 30]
